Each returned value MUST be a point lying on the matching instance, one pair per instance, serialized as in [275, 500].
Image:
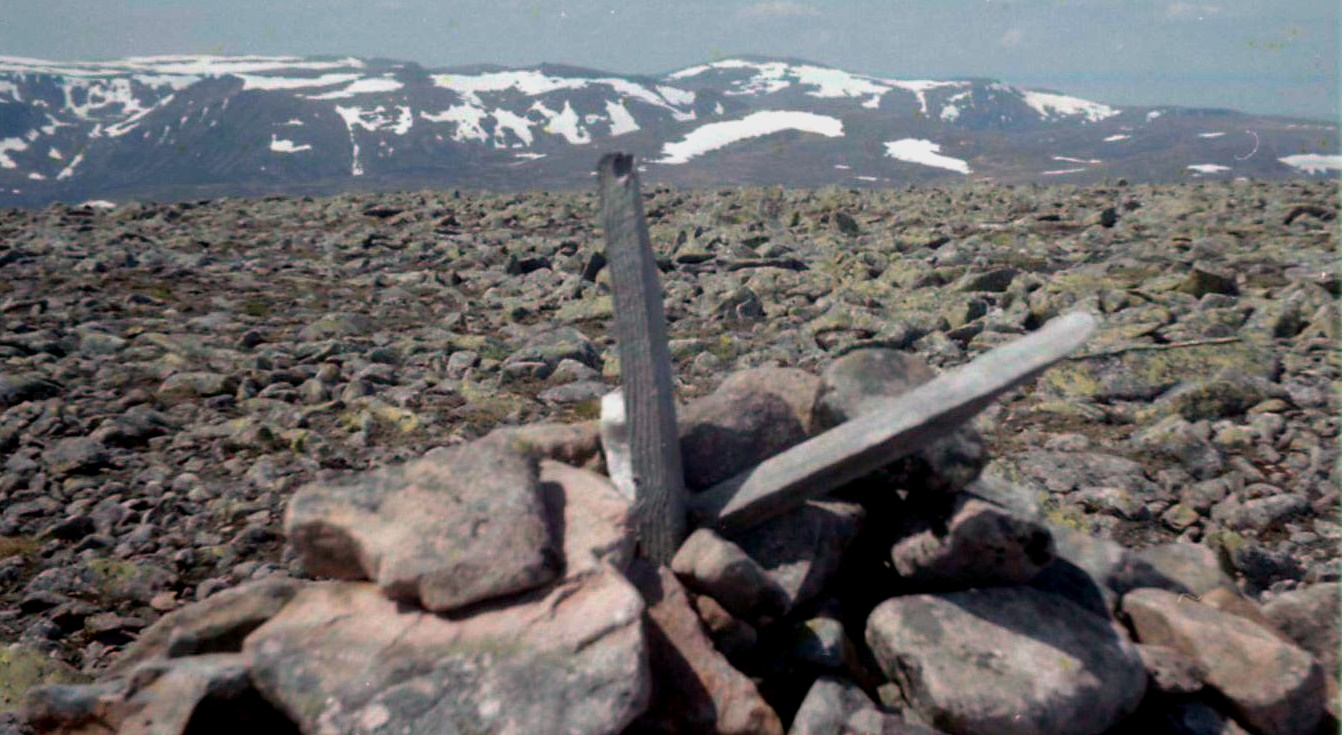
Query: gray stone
[1272, 686]
[794, 385]
[192, 385]
[982, 544]
[78, 455]
[1175, 439]
[21, 387]
[1182, 568]
[713, 566]
[835, 706]
[731, 430]
[1309, 616]
[556, 345]
[336, 325]
[1171, 671]
[460, 525]
[802, 549]
[1007, 660]
[854, 385]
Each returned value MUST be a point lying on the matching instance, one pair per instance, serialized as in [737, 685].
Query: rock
[575, 444]
[1309, 616]
[192, 385]
[342, 658]
[1204, 278]
[797, 387]
[1183, 568]
[1007, 660]
[21, 387]
[78, 455]
[1058, 472]
[336, 325]
[22, 668]
[459, 526]
[1170, 670]
[730, 636]
[834, 705]
[217, 624]
[713, 566]
[982, 544]
[552, 347]
[105, 579]
[854, 384]
[731, 430]
[1271, 686]
[133, 428]
[1184, 443]
[694, 689]
[802, 549]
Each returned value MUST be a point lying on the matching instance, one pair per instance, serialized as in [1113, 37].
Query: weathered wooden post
[645, 362]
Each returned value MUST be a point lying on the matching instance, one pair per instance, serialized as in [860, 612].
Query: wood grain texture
[901, 426]
[645, 361]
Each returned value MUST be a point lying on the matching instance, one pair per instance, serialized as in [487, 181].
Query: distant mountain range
[189, 127]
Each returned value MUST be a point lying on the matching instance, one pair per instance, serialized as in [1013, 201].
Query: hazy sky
[1264, 56]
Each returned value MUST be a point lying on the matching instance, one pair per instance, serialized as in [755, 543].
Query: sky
[1269, 57]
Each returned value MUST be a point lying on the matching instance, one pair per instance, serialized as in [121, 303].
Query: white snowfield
[1208, 168]
[1313, 163]
[925, 152]
[717, 135]
[1050, 105]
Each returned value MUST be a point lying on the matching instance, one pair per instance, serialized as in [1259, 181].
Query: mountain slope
[177, 127]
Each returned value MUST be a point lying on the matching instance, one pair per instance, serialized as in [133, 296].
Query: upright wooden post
[645, 362]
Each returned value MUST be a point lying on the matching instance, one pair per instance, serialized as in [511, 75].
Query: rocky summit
[336, 466]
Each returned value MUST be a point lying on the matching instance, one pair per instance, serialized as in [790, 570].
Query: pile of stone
[495, 586]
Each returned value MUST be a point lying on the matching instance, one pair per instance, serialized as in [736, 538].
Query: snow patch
[1210, 135]
[1312, 163]
[564, 123]
[69, 170]
[1076, 160]
[280, 145]
[361, 86]
[252, 81]
[1208, 168]
[519, 125]
[1116, 138]
[925, 152]
[1152, 115]
[1048, 104]
[621, 121]
[713, 136]
[11, 144]
[1061, 171]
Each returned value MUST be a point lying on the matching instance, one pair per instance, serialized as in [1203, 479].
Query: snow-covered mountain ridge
[192, 126]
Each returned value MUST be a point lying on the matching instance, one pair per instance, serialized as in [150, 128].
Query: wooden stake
[645, 362]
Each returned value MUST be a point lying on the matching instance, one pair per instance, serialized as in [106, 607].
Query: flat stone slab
[458, 526]
[1007, 661]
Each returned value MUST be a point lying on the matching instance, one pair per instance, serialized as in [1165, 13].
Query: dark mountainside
[174, 373]
[186, 128]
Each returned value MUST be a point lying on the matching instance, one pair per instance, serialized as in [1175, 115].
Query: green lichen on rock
[23, 668]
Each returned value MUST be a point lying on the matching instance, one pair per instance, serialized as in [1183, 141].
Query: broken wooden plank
[645, 362]
[898, 427]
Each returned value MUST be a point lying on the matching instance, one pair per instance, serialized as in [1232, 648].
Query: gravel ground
[171, 373]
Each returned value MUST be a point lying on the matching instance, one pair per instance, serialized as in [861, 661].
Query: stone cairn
[813, 550]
